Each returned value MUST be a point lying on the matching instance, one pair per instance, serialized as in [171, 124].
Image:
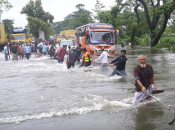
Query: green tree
[80, 6]
[74, 20]
[8, 24]
[80, 17]
[98, 6]
[101, 15]
[38, 19]
[157, 13]
[4, 6]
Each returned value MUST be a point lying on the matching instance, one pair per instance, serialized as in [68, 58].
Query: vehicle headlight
[112, 48]
[93, 48]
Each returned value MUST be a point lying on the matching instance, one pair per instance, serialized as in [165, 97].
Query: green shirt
[14, 49]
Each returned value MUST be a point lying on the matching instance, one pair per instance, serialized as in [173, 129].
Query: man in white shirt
[6, 51]
[104, 58]
[40, 46]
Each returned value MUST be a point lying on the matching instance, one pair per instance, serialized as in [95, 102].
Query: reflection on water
[146, 116]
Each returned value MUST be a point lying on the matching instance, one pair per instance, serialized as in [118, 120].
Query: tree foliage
[4, 6]
[74, 20]
[8, 24]
[144, 19]
[157, 13]
[38, 19]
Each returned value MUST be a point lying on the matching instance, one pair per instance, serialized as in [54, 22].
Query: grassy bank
[164, 42]
[167, 42]
[144, 40]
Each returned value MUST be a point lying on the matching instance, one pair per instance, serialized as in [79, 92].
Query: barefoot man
[144, 77]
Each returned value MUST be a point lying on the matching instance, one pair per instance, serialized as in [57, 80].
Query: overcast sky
[58, 8]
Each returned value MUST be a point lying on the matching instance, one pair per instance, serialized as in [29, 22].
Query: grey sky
[58, 8]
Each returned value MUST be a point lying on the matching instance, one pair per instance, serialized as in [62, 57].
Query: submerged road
[43, 95]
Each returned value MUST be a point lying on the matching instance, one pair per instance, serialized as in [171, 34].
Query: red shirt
[61, 53]
[18, 47]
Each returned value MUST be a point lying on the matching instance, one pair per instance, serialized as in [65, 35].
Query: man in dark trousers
[120, 63]
[36, 43]
[14, 52]
[78, 52]
[71, 59]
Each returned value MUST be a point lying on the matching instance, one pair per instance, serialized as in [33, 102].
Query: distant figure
[61, 54]
[104, 58]
[21, 51]
[52, 50]
[36, 43]
[6, 51]
[14, 52]
[78, 52]
[71, 59]
[40, 46]
[8, 48]
[123, 44]
[10, 45]
[129, 45]
[27, 51]
[45, 47]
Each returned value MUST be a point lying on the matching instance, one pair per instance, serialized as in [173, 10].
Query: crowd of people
[22, 49]
[143, 72]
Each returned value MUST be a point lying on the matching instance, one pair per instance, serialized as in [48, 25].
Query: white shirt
[103, 57]
[40, 44]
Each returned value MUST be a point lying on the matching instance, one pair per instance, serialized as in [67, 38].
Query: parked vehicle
[59, 38]
[3, 37]
[19, 35]
[68, 34]
[29, 36]
[68, 43]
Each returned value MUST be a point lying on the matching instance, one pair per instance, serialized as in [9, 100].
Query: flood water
[41, 94]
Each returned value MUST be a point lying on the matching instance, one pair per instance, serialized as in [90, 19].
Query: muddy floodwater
[41, 94]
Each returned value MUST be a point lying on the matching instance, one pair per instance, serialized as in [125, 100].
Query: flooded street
[41, 94]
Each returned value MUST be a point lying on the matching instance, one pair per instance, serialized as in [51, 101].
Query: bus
[95, 36]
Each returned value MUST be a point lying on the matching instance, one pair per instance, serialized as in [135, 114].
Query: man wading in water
[120, 62]
[144, 78]
[87, 59]
[103, 57]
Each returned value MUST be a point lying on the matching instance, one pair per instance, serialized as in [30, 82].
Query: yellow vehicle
[3, 37]
[71, 37]
[59, 38]
[19, 35]
[33, 39]
[68, 33]
[29, 36]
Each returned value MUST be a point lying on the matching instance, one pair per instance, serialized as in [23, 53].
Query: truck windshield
[72, 37]
[29, 36]
[102, 37]
[18, 37]
[59, 36]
